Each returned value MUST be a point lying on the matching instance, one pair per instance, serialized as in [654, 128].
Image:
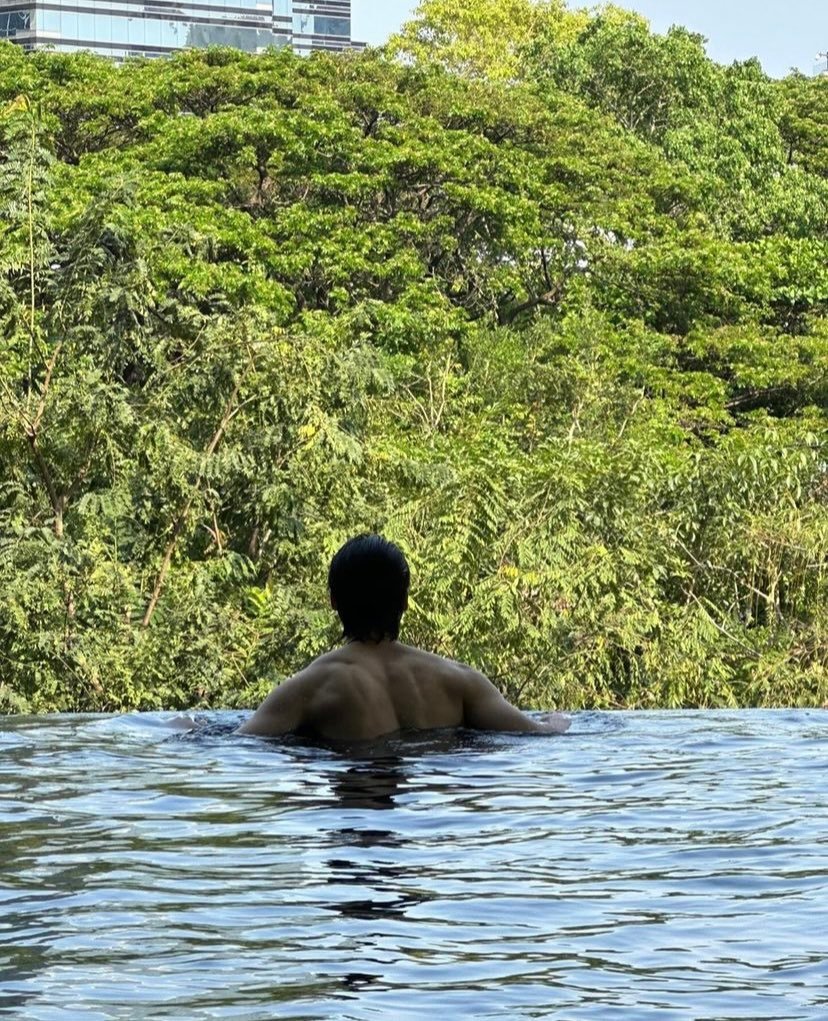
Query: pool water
[644, 866]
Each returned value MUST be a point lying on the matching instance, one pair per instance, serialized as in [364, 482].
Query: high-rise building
[155, 28]
[320, 25]
[821, 65]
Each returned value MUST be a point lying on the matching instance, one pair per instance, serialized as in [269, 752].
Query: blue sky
[782, 34]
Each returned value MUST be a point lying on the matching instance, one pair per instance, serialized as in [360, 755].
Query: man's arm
[283, 711]
[484, 708]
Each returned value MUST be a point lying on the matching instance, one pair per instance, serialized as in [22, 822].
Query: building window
[12, 22]
[333, 26]
[158, 26]
[318, 24]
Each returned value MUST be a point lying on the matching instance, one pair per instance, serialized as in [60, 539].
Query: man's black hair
[368, 579]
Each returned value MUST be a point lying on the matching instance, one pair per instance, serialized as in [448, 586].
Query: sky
[782, 33]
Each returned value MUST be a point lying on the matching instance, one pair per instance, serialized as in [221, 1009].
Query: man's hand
[554, 723]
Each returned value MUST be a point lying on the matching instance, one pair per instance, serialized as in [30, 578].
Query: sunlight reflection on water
[646, 865]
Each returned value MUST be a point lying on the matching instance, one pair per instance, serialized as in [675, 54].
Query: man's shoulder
[322, 687]
[450, 670]
[350, 664]
[333, 665]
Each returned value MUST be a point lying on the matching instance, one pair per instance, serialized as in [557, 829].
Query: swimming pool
[644, 866]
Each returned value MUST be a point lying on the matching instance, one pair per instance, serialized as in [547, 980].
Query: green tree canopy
[561, 335]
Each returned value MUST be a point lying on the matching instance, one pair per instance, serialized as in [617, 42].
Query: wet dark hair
[368, 579]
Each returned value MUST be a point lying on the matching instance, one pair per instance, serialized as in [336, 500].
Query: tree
[483, 39]
[250, 305]
[804, 120]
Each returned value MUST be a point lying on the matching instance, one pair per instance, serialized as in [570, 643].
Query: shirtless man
[375, 685]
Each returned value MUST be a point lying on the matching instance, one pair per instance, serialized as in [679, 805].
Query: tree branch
[548, 298]
[57, 500]
[183, 514]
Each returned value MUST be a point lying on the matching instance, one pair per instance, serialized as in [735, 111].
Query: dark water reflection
[644, 866]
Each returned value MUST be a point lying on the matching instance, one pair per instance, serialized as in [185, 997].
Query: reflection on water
[644, 866]
[372, 784]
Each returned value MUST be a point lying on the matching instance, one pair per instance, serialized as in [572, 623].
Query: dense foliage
[550, 309]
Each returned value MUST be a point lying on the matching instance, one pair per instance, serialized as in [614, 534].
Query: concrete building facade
[155, 28]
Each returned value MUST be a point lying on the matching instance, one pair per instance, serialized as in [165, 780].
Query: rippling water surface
[646, 865]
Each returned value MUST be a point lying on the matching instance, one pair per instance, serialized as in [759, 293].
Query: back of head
[369, 580]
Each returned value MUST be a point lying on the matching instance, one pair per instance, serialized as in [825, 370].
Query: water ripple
[646, 866]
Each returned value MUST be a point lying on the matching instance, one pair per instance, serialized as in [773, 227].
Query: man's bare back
[374, 684]
[366, 689]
